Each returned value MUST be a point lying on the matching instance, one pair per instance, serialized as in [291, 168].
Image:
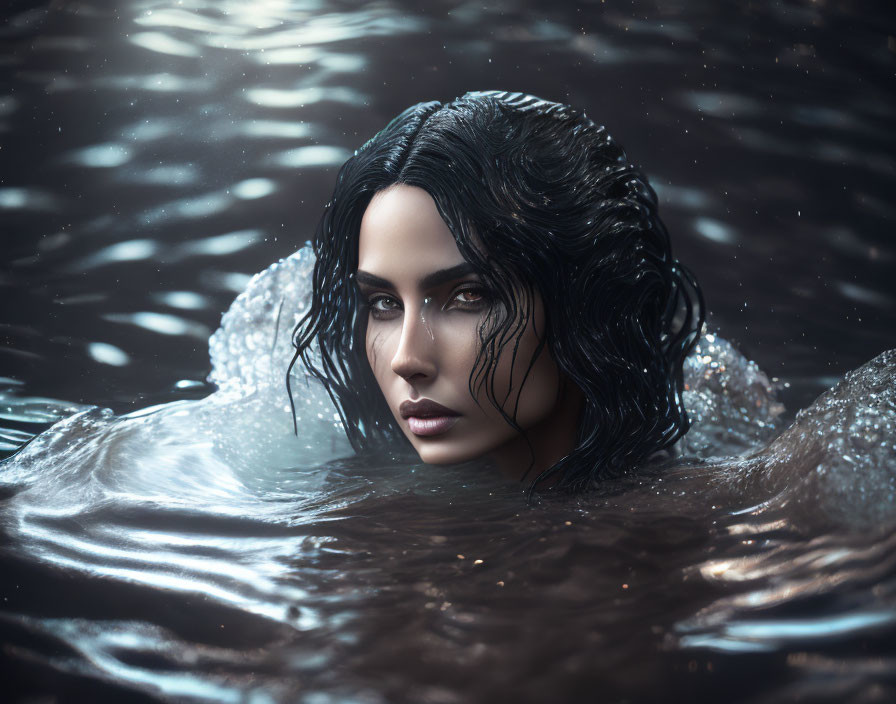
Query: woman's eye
[470, 298]
[383, 306]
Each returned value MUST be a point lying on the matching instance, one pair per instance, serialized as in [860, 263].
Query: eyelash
[379, 314]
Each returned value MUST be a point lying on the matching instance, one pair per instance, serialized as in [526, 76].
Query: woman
[492, 280]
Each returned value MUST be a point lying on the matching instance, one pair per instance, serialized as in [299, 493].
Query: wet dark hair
[539, 199]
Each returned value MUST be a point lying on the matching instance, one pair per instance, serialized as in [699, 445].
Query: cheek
[533, 399]
[378, 354]
[458, 341]
[539, 394]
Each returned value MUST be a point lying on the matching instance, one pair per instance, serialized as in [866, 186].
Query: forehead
[403, 237]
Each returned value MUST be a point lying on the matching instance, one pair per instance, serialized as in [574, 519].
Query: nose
[415, 355]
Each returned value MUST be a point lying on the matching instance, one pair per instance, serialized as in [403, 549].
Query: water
[157, 154]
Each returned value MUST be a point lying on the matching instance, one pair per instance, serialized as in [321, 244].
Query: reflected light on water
[862, 294]
[315, 155]
[161, 322]
[721, 105]
[747, 636]
[684, 197]
[196, 207]
[184, 19]
[221, 244]
[100, 155]
[103, 649]
[325, 29]
[162, 43]
[254, 188]
[186, 300]
[233, 281]
[150, 129]
[280, 98]
[8, 105]
[157, 83]
[27, 199]
[130, 251]
[105, 353]
[172, 174]
[274, 128]
[345, 63]
[715, 231]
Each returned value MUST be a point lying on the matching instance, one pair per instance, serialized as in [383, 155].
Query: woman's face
[426, 307]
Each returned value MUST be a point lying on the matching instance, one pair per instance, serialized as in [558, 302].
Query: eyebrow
[429, 281]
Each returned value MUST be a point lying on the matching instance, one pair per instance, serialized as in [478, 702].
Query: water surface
[158, 154]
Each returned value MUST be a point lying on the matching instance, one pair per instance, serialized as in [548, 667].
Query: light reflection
[161, 322]
[81, 635]
[299, 97]
[715, 231]
[233, 281]
[27, 199]
[864, 295]
[337, 63]
[36, 409]
[169, 175]
[130, 251]
[768, 635]
[8, 105]
[196, 566]
[345, 63]
[100, 155]
[221, 244]
[323, 29]
[105, 353]
[722, 105]
[289, 55]
[755, 528]
[685, 197]
[186, 300]
[156, 83]
[150, 129]
[276, 128]
[264, 14]
[197, 207]
[163, 44]
[820, 628]
[182, 19]
[723, 644]
[314, 155]
[254, 188]
[11, 439]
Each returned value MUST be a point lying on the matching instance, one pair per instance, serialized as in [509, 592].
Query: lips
[427, 417]
[424, 408]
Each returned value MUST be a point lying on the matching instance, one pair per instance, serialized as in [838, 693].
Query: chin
[445, 455]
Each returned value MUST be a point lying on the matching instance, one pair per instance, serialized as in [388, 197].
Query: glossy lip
[435, 425]
[426, 417]
[425, 408]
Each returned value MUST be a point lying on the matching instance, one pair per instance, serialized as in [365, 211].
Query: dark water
[155, 155]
